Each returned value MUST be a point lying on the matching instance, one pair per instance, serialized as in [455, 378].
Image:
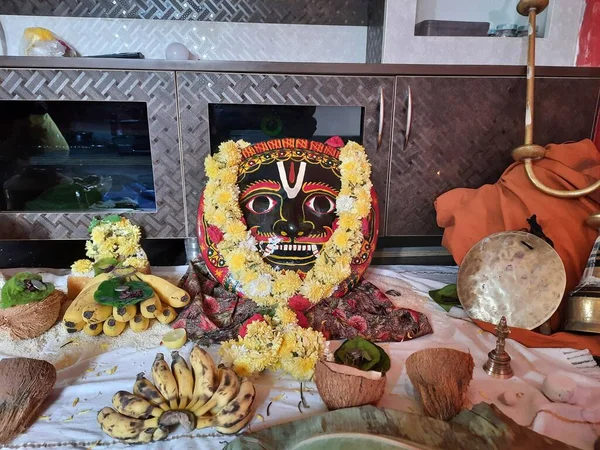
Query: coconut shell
[340, 390]
[24, 386]
[441, 376]
[31, 320]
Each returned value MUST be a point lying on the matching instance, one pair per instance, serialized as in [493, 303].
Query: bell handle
[556, 192]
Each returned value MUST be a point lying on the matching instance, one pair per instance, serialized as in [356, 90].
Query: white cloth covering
[87, 381]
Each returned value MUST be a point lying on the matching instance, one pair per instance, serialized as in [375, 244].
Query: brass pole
[529, 107]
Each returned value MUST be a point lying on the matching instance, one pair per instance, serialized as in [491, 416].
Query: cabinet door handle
[381, 115]
[409, 106]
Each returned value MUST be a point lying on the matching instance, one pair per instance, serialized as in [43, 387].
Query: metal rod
[557, 192]
[529, 107]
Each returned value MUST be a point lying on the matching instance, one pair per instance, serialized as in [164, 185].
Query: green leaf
[108, 292]
[384, 361]
[446, 297]
[105, 265]
[19, 290]
[351, 353]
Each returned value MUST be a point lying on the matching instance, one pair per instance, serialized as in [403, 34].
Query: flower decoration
[114, 239]
[274, 342]
[253, 276]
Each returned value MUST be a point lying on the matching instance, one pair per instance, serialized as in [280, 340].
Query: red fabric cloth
[468, 215]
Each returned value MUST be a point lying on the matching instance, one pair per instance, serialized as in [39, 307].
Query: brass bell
[583, 305]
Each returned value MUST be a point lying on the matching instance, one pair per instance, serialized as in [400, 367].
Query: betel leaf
[105, 265]
[362, 354]
[446, 297]
[112, 218]
[118, 292]
[24, 288]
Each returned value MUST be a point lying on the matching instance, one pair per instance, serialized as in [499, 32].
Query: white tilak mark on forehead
[291, 192]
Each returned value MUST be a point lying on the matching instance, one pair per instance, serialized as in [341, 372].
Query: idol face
[289, 208]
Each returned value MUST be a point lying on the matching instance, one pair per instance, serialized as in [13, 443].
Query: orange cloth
[469, 215]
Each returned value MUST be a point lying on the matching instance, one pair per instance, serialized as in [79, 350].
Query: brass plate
[513, 274]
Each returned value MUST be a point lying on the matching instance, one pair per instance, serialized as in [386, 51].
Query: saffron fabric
[468, 215]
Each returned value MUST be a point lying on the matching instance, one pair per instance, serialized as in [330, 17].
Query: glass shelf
[471, 18]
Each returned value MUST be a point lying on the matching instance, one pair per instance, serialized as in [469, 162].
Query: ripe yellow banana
[139, 323]
[113, 328]
[167, 292]
[206, 377]
[160, 433]
[74, 327]
[237, 427]
[74, 313]
[164, 380]
[92, 329]
[96, 313]
[229, 384]
[135, 406]
[185, 379]
[144, 437]
[122, 427]
[151, 306]
[235, 411]
[124, 313]
[144, 388]
[167, 315]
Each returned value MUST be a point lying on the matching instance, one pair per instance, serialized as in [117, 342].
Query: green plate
[355, 441]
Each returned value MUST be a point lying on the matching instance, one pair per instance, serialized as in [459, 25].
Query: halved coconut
[441, 376]
[35, 318]
[343, 386]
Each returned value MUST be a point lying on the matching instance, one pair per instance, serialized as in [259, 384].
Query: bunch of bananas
[197, 395]
[93, 318]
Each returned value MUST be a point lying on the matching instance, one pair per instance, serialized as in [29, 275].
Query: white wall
[207, 40]
[558, 48]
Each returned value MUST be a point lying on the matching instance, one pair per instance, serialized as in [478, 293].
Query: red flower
[359, 323]
[302, 320]
[338, 314]
[351, 303]
[210, 305]
[244, 327]
[214, 234]
[335, 142]
[299, 303]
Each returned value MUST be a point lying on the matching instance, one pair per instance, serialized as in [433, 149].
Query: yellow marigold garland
[118, 239]
[276, 343]
[257, 279]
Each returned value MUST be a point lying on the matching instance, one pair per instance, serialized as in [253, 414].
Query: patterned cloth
[215, 314]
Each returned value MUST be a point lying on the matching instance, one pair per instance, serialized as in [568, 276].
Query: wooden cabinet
[459, 132]
[198, 90]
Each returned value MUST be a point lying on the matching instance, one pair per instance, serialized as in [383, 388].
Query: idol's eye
[320, 204]
[261, 204]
